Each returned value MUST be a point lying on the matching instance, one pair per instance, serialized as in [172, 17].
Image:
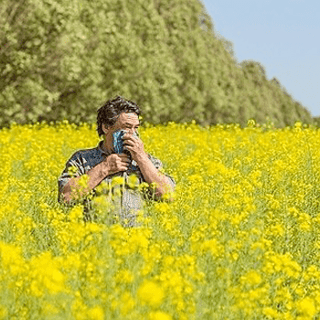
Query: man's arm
[96, 175]
[112, 164]
[148, 170]
[152, 174]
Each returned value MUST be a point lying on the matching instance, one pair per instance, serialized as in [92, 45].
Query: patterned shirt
[130, 202]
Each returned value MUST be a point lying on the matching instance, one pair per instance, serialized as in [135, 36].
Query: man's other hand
[135, 146]
[116, 162]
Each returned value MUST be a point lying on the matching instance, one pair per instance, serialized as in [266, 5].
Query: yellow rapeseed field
[240, 241]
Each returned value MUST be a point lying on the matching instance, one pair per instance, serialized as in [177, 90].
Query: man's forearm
[96, 175]
[152, 174]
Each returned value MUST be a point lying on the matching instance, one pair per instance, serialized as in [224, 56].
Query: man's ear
[104, 128]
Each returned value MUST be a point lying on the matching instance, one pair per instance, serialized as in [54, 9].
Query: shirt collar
[100, 148]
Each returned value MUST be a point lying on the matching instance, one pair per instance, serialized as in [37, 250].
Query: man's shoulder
[86, 153]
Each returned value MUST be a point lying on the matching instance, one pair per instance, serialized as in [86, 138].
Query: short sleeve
[156, 162]
[74, 168]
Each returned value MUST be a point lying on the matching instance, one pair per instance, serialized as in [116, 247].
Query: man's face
[127, 121]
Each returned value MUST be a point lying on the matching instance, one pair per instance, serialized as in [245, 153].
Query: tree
[61, 59]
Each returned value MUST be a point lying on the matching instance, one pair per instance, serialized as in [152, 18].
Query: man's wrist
[104, 169]
[141, 158]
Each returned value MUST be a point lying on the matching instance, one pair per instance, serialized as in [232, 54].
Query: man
[101, 164]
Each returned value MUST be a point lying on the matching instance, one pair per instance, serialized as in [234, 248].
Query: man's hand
[135, 146]
[117, 162]
[112, 164]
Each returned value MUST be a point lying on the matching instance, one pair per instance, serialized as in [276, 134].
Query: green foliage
[61, 59]
[316, 121]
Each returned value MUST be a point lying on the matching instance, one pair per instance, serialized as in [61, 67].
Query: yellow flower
[306, 307]
[46, 275]
[133, 181]
[159, 315]
[212, 246]
[239, 192]
[76, 213]
[276, 230]
[124, 276]
[48, 309]
[251, 278]
[3, 312]
[116, 181]
[83, 181]
[73, 170]
[96, 313]
[150, 293]
[270, 313]
[127, 303]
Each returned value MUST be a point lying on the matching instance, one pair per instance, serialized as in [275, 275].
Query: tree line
[61, 59]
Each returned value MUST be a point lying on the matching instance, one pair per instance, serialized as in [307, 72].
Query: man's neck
[107, 145]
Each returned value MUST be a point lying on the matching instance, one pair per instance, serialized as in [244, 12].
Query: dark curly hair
[109, 113]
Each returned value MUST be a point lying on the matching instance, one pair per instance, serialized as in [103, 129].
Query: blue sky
[283, 35]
